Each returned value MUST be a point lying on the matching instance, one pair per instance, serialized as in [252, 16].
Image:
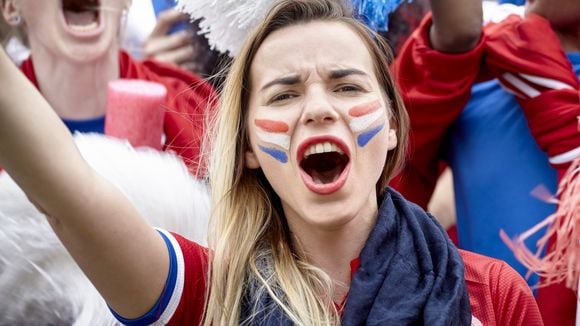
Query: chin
[87, 53]
[330, 219]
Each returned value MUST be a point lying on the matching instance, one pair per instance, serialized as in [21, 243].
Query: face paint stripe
[271, 125]
[276, 154]
[365, 137]
[364, 109]
[361, 123]
[276, 139]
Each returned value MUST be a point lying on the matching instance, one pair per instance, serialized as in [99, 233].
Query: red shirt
[189, 99]
[498, 295]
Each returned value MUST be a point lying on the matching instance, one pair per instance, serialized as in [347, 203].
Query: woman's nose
[318, 109]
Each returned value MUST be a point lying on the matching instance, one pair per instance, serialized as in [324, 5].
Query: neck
[333, 249]
[75, 90]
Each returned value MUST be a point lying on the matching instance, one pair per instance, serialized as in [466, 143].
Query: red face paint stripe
[363, 109]
[271, 125]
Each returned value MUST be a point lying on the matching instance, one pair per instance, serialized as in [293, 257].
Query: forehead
[311, 47]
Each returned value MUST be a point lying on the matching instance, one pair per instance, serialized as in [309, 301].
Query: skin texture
[331, 227]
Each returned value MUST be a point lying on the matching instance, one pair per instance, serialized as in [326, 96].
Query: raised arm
[435, 70]
[456, 25]
[124, 258]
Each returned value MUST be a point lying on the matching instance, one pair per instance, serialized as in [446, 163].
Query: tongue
[324, 177]
[79, 18]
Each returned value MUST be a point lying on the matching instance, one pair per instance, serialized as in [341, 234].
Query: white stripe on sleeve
[179, 282]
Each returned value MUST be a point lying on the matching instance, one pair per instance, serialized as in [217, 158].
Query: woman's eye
[282, 97]
[347, 88]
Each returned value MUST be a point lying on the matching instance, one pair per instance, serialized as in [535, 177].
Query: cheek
[365, 137]
[375, 152]
[272, 138]
[367, 121]
[278, 155]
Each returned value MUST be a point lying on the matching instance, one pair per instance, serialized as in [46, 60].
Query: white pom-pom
[226, 23]
[40, 284]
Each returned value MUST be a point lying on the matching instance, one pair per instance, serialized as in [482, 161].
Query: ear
[10, 13]
[392, 139]
[251, 160]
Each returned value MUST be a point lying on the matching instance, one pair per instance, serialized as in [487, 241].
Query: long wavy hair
[250, 243]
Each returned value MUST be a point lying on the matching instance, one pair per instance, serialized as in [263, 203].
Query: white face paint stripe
[361, 123]
[278, 139]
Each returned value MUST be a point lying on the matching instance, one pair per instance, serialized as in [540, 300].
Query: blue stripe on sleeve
[157, 310]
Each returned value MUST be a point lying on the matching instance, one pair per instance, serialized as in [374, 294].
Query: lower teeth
[83, 28]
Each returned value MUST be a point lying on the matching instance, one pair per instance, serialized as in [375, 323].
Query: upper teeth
[319, 148]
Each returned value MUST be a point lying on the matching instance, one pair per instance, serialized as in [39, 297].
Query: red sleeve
[497, 293]
[189, 307]
[527, 58]
[435, 87]
[190, 100]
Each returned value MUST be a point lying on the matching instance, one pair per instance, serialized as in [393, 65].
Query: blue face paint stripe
[277, 154]
[366, 136]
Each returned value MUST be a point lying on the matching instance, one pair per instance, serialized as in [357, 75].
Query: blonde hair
[251, 247]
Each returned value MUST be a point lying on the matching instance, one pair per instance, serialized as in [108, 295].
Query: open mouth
[324, 165]
[81, 15]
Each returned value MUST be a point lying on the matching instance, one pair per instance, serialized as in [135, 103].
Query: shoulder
[483, 269]
[497, 293]
[493, 275]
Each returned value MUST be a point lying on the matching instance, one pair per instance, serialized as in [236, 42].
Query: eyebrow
[287, 80]
[295, 79]
[341, 73]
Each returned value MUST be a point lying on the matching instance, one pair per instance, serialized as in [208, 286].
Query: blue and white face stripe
[364, 121]
[273, 135]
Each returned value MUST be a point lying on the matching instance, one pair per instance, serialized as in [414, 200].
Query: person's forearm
[456, 25]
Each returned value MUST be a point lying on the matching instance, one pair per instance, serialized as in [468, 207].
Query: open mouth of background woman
[81, 17]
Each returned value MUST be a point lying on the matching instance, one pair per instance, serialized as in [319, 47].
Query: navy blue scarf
[410, 274]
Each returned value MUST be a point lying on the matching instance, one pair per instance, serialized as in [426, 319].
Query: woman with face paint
[309, 130]
[75, 53]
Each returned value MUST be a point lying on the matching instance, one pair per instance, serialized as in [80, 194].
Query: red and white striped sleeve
[526, 56]
[182, 301]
